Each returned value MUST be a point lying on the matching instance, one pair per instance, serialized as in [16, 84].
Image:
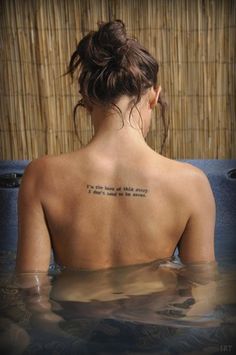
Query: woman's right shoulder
[190, 187]
[184, 174]
[180, 167]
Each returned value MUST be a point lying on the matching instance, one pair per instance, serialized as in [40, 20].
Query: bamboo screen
[193, 40]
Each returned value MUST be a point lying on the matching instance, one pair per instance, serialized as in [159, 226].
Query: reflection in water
[159, 306]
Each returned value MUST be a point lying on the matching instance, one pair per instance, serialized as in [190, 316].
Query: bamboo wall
[193, 40]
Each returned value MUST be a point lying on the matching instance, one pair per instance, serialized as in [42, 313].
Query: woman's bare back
[101, 213]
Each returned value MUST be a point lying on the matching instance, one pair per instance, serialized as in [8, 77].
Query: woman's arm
[34, 246]
[197, 241]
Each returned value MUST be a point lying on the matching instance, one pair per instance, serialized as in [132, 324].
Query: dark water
[157, 308]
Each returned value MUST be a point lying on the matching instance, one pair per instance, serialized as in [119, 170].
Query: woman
[115, 202]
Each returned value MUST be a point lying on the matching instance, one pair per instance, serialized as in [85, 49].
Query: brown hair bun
[111, 65]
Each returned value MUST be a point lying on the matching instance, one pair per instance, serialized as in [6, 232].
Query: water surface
[156, 308]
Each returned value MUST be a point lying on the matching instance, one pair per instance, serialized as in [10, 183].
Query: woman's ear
[88, 107]
[155, 92]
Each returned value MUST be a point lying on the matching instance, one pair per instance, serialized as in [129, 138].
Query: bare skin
[169, 202]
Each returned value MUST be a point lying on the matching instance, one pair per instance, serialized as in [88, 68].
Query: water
[156, 308]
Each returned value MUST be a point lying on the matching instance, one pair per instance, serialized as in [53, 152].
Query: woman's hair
[111, 65]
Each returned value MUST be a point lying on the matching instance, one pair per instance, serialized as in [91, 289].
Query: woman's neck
[117, 131]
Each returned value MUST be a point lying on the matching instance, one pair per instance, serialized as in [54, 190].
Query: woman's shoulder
[41, 164]
[184, 173]
[188, 185]
[45, 169]
[48, 162]
[181, 167]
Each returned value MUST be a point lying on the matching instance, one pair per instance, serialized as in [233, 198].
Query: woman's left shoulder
[43, 168]
[45, 162]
